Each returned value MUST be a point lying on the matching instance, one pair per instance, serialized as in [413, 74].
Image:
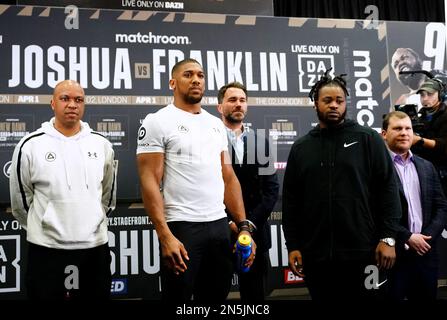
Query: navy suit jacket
[259, 191]
[434, 205]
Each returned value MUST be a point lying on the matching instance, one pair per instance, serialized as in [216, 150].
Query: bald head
[68, 106]
[65, 84]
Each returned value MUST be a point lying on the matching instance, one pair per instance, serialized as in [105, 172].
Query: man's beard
[229, 117]
[412, 81]
[192, 99]
[330, 122]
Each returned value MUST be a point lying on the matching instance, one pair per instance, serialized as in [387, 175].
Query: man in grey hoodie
[62, 188]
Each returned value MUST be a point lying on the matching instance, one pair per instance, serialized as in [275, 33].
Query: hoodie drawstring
[48, 128]
[67, 173]
[84, 164]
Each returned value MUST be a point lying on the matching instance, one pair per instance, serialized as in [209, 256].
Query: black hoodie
[339, 194]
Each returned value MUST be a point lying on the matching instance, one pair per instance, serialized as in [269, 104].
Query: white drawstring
[83, 155]
[67, 173]
[81, 150]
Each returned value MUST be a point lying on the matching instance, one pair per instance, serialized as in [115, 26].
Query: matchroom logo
[9, 263]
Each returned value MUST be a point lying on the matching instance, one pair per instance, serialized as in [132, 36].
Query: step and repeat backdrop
[123, 60]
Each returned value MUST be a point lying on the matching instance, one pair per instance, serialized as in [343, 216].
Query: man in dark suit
[424, 212]
[253, 164]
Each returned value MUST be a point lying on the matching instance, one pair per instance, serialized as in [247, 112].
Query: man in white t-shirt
[186, 184]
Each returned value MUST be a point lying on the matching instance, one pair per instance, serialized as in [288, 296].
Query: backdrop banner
[123, 60]
[253, 7]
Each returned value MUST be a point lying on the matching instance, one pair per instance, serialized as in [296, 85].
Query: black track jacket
[339, 194]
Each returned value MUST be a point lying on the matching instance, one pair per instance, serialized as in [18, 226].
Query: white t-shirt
[192, 144]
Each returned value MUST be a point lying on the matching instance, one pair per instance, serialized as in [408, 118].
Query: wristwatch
[389, 241]
[246, 225]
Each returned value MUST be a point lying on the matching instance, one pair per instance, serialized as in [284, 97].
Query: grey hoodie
[62, 188]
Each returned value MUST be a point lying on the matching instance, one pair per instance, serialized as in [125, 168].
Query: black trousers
[208, 277]
[414, 277]
[252, 283]
[55, 274]
[341, 280]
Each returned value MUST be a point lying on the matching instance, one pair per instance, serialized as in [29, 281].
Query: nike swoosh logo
[346, 145]
[379, 284]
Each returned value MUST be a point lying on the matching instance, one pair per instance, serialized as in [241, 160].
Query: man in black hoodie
[341, 206]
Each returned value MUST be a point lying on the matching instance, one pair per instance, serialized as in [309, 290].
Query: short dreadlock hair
[327, 80]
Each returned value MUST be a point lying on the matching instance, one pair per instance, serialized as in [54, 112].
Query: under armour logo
[92, 155]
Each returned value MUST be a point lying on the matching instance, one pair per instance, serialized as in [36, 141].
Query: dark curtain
[399, 10]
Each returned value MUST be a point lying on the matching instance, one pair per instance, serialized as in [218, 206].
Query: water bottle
[243, 251]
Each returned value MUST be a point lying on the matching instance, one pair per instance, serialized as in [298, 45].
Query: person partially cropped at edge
[415, 274]
[186, 183]
[430, 140]
[63, 187]
[341, 204]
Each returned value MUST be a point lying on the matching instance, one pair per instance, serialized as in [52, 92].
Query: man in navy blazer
[253, 163]
[424, 212]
